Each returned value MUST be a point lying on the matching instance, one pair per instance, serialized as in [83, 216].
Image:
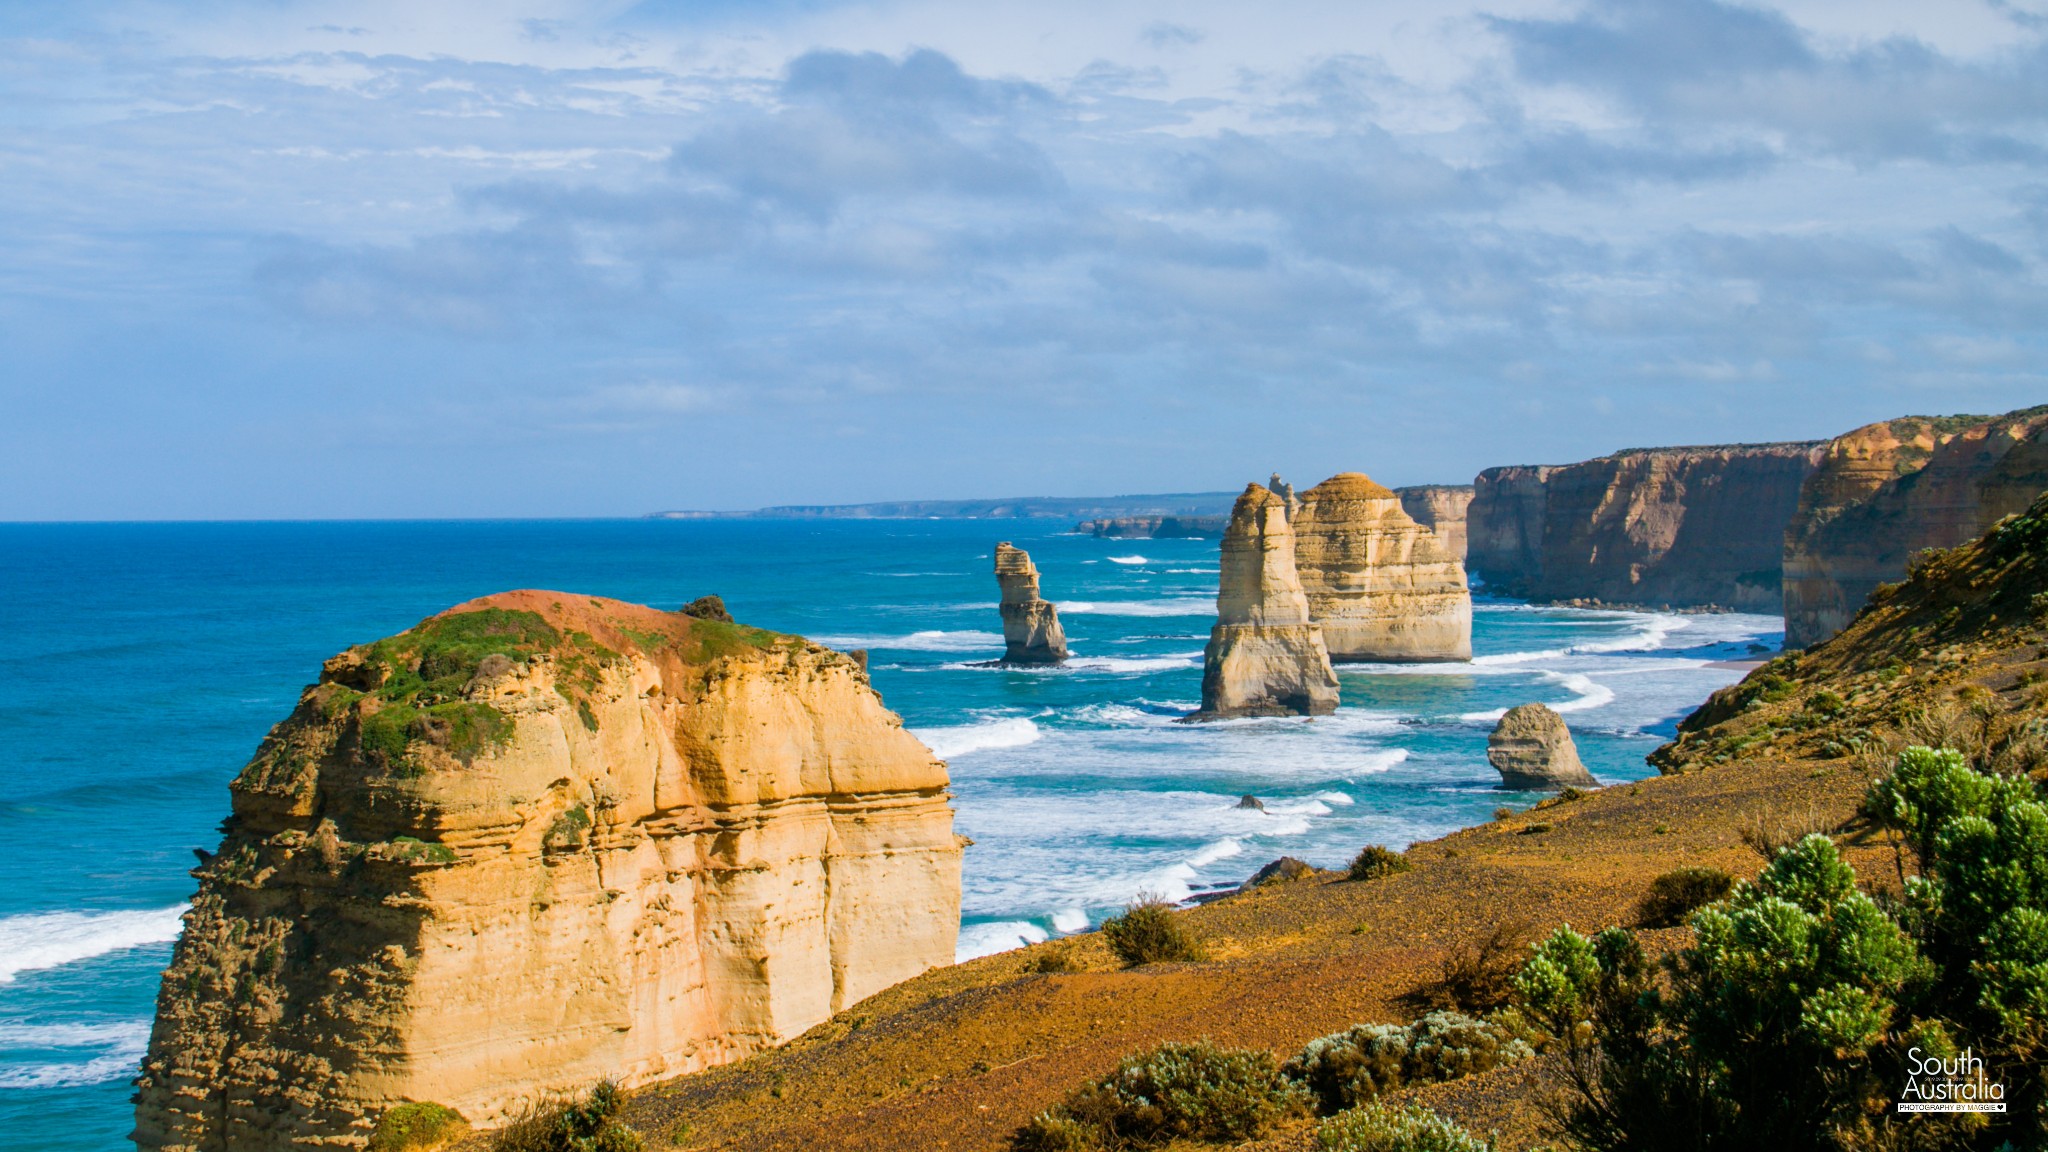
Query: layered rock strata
[1031, 625]
[1155, 528]
[538, 841]
[1265, 656]
[1533, 751]
[1440, 508]
[1888, 490]
[1662, 527]
[1381, 586]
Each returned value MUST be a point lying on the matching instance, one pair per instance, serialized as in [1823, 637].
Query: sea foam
[1179, 606]
[124, 1044]
[53, 939]
[1011, 732]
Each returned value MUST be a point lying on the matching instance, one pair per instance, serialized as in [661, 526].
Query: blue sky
[515, 258]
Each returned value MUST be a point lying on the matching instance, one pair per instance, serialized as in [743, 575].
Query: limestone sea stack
[1533, 751]
[1265, 656]
[1887, 490]
[1441, 509]
[1031, 625]
[1381, 586]
[538, 841]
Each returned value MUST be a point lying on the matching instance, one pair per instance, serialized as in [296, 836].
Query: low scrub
[1679, 893]
[1384, 1128]
[1478, 976]
[590, 1124]
[1195, 1091]
[1349, 1068]
[1373, 862]
[417, 1128]
[1148, 932]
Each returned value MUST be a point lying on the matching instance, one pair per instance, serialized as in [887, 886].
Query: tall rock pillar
[1031, 626]
[1381, 586]
[1265, 657]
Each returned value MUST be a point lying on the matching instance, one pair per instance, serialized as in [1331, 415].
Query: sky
[385, 258]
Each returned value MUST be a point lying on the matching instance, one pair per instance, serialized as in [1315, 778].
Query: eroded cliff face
[1664, 527]
[1890, 489]
[1031, 626]
[1265, 657]
[537, 841]
[1381, 586]
[1440, 508]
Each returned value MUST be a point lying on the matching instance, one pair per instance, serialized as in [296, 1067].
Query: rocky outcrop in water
[1031, 625]
[1887, 490]
[1533, 751]
[1265, 657]
[1662, 527]
[1441, 509]
[1155, 528]
[538, 841]
[1382, 587]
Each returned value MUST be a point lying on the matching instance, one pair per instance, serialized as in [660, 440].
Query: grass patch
[417, 1128]
[1148, 932]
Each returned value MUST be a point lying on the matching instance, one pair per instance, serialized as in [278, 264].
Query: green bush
[1373, 862]
[1148, 932]
[1348, 1068]
[1195, 1091]
[416, 1127]
[1679, 893]
[1384, 1128]
[587, 1125]
[1789, 1022]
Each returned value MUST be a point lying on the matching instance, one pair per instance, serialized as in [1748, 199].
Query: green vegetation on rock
[417, 1128]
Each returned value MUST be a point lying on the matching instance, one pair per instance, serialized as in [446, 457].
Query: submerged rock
[1265, 656]
[1533, 751]
[538, 841]
[1251, 802]
[1381, 586]
[1031, 625]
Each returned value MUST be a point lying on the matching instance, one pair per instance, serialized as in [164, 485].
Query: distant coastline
[1000, 508]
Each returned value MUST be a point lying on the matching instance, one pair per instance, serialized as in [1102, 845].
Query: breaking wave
[53, 939]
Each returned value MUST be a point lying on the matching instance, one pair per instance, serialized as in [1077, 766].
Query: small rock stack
[1031, 625]
[1533, 751]
[1265, 656]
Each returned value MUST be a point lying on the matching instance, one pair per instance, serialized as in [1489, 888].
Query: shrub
[1680, 892]
[1373, 862]
[1148, 932]
[1384, 1128]
[1195, 1091]
[1788, 1023]
[417, 1127]
[1348, 1068]
[586, 1125]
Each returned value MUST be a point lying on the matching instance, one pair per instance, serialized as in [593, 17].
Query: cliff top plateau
[536, 841]
[962, 1058]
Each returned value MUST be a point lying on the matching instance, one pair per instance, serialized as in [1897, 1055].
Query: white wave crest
[1127, 560]
[124, 1043]
[53, 939]
[1339, 798]
[1210, 853]
[1135, 663]
[1591, 693]
[930, 641]
[1379, 761]
[977, 940]
[946, 743]
[1069, 920]
[1181, 606]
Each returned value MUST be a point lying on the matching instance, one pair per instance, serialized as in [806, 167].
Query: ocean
[141, 663]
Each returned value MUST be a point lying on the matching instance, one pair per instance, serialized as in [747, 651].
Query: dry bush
[1148, 932]
[1478, 976]
[1677, 894]
[1769, 831]
[1373, 862]
[587, 1125]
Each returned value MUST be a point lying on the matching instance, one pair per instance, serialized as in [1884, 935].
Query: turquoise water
[140, 664]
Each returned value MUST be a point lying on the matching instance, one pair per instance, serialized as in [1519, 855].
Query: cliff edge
[537, 841]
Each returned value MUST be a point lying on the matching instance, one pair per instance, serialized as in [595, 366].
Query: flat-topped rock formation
[1381, 586]
[1155, 527]
[1533, 751]
[1265, 656]
[538, 841]
[1031, 625]
[1440, 508]
[1887, 490]
[1662, 527]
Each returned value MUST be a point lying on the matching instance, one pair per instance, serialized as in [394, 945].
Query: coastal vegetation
[1149, 932]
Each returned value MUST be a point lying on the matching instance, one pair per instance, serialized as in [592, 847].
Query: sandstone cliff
[1381, 586]
[1890, 489]
[1265, 657]
[537, 841]
[1441, 509]
[1031, 626]
[1155, 527]
[1665, 527]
